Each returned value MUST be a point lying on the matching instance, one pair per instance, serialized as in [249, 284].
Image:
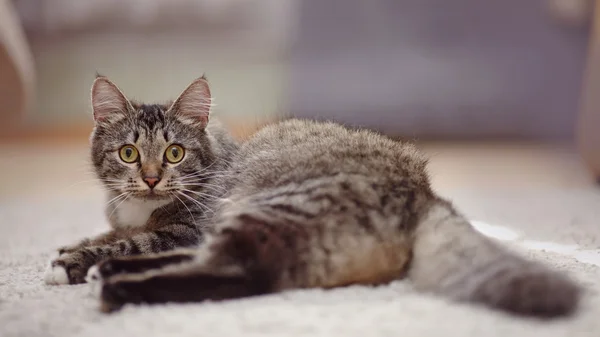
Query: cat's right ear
[108, 102]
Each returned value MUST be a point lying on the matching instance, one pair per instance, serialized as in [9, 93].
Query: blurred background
[468, 75]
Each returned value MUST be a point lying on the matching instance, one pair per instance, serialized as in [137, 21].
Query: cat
[316, 204]
[157, 163]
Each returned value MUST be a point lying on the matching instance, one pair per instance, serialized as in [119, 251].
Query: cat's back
[298, 150]
[340, 190]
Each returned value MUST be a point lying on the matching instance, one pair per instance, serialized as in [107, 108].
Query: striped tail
[453, 260]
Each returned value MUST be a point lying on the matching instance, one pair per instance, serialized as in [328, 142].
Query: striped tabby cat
[314, 204]
[157, 163]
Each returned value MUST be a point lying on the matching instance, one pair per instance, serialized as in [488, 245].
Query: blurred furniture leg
[588, 133]
[16, 69]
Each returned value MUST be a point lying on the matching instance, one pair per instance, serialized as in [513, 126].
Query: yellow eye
[174, 154]
[128, 153]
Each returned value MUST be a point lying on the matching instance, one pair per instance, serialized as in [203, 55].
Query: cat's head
[151, 151]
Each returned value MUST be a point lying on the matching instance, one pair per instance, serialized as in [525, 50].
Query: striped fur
[314, 204]
[145, 220]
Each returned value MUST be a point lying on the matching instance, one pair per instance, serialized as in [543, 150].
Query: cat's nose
[151, 181]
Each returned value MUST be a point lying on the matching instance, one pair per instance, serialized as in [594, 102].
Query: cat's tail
[452, 259]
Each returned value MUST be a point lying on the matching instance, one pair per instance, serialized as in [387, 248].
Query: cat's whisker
[201, 170]
[209, 190]
[201, 183]
[194, 196]
[110, 180]
[208, 196]
[163, 207]
[184, 205]
[198, 182]
[209, 166]
[115, 199]
[197, 175]
[119, 204]
[205, 195]
[195, 201]
[204, 174]
[208, 176]
[213, 189]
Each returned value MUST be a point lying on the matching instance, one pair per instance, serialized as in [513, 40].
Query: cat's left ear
[193, 105]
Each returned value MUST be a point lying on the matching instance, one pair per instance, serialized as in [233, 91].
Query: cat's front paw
[68, 268]
[55, 274]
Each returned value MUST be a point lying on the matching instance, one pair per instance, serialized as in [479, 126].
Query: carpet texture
[32, 229]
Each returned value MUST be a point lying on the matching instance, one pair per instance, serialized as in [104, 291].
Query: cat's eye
[174, 154]
[128, 153]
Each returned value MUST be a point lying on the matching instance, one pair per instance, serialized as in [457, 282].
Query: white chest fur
[135, 213]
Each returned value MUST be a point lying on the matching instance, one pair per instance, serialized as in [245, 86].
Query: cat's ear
[193, 105]
[108, 102]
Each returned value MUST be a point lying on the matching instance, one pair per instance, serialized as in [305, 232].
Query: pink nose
[151, 181]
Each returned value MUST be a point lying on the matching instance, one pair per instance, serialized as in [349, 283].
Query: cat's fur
[146, 220]
[314, 204]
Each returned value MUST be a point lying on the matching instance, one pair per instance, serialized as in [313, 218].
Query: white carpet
[566, 224]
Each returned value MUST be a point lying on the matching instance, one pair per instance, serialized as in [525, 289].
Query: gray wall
[417, 68]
